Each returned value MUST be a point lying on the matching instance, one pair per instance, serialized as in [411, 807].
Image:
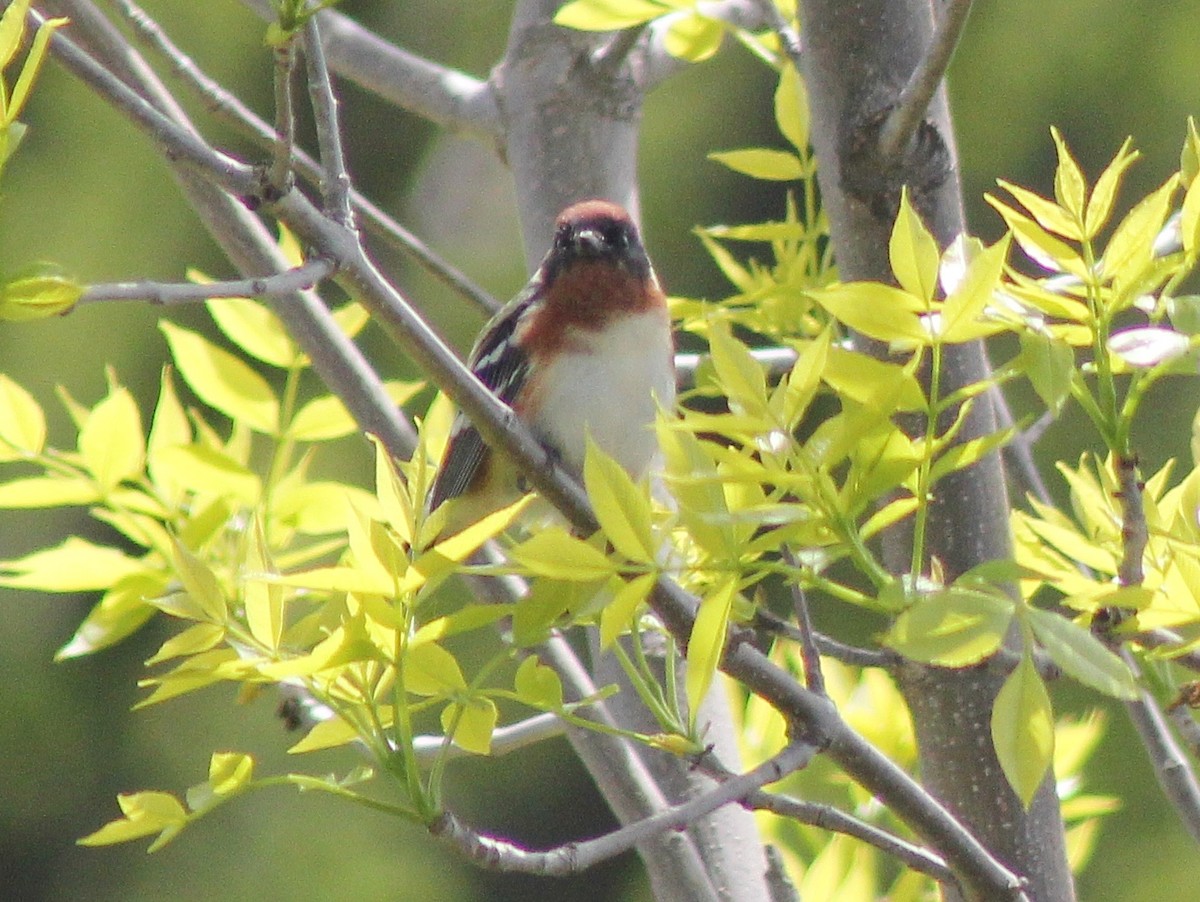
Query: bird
[585, 348]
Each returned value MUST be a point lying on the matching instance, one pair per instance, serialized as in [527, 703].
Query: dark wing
[502, 366]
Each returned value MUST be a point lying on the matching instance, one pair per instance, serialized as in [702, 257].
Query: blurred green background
[88, 193]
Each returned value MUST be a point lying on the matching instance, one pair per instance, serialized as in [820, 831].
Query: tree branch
[442, 95]
[228, 108]
[335, 185]
[243, 238]
[575, 857]
[308, 275]
[909, 111]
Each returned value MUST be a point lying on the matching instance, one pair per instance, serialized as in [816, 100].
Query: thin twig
[833, 819]
[1164, 638]
[229, 108]
[1170, 764]
[826, 645]
[279, 173]
[302, 277]
[809, 655]
[573, 858]
[335, 186]
[789, 37]
[908, 113]
[1135, 533]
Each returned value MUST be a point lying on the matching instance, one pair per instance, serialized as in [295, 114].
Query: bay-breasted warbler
[585, 348]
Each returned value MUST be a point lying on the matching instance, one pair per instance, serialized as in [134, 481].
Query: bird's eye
[616, 237]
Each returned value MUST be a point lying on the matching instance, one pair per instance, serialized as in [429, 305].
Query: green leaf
[607, 15]
[111, 443]
[622, 508]
[913, 252]
[1081, 655]
[617, 616]
[538, 685]
[195, 639]
[76, 565]
[228, 774]
[953, 627]
[791, 107]
[762, 163]
[33, 64]
[707, 643]
[557, 554]
[1023, 729]
[145, 813]
[222, 380]
[255, 329]
[22, 422]
[1049, 365]
[37, 297]
[473, 723]
[876, 310]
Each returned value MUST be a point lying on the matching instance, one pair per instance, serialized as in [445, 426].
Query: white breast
[610, 391]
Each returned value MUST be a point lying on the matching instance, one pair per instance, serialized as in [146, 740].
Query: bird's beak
[590, 242]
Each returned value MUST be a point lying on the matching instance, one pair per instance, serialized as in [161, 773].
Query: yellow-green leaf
[607, 15]
[76, 565]
[693, 36]
[791, 107]
[199, 582]
[741, 376]
[858, 377]
[1104, 193]
[617, 616]
[1049, 366]
[762, 163]
[1070, 187]
[538, 685]
[193, 640]
[1048, 214]
[431, 670]
[111, 443]
[1023, 729]
[37, 297]
[223, 381]
[145, 813]
[622, 508]
[1081, 655]
[1042, 247]
[707, 644]
[207, 472]
[962, 311]
[557, 554]
[47, 491]
[876, 310]
[913, 252]
[1131, 247]
[22, 422]
[953, 627]
[123, 609]
[254, 328]
[472, 722]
